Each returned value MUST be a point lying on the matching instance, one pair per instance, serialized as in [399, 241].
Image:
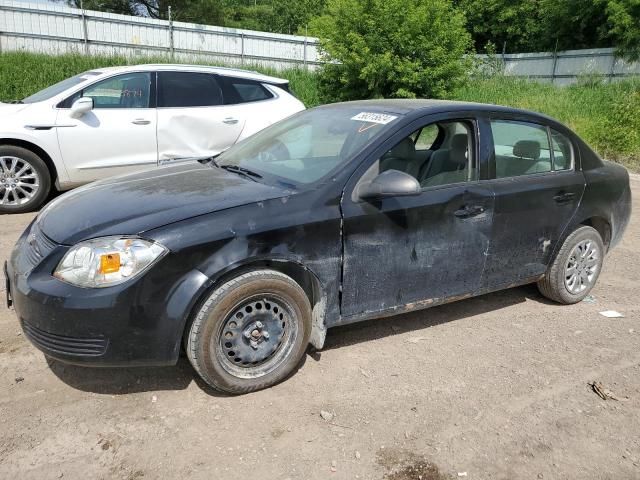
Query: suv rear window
[239, 90]
[188, 89]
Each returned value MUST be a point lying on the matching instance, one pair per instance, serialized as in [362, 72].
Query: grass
[23, 73]
[607, 116]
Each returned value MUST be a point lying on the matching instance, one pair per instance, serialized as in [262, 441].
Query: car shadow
[366, 331]
[122, 381]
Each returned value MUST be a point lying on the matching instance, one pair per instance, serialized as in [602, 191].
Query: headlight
[107, 261]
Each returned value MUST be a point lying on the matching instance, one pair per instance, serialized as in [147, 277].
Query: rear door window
[520, 148]
[188, 89]
[562, 151]
[240, 90]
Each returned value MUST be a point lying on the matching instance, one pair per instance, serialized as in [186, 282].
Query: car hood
[9, 108]
[133, 204]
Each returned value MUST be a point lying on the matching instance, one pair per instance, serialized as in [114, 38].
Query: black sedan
[339, 214]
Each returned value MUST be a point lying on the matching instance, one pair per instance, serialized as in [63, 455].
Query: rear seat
[525, 160]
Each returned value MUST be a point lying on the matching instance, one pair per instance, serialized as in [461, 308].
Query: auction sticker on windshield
[381, 118]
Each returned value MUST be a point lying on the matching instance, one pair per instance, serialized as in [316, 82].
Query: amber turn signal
[109, 263]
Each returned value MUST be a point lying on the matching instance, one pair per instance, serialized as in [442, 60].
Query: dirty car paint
[355, 259]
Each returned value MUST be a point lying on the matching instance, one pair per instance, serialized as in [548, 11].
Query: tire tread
[552, 285]
[202, 316]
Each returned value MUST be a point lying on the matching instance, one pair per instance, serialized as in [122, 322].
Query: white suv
[118, 120]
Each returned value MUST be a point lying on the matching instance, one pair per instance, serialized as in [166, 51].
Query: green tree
[391, 48]
[517, 22]
[293, 17]
[254, 16]
[624, 23]
[211, 12]
[574, 24]
[123, 7]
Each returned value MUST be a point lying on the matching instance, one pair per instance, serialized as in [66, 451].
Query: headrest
[405, 149]
[527, 149]
[459, 141]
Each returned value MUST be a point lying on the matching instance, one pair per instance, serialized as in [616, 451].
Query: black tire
[553, 285]
[42, 172]
[221, 315]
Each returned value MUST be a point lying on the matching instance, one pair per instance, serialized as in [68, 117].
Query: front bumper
[137, 323]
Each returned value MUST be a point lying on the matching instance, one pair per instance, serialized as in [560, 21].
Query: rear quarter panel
[607, 196]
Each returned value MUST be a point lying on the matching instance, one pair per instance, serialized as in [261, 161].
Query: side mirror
[390, 183]
[81, 106]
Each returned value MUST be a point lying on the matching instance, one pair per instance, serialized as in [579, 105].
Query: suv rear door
[193, 120]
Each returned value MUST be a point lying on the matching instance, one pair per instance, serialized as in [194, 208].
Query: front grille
[93, 347]
[37, 246]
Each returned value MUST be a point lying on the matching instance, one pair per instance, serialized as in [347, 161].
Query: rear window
[239, 90]
[188, 89]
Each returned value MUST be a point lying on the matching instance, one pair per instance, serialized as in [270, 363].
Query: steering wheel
[277, 151]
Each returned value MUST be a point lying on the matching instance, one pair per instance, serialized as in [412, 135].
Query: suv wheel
[24, 180]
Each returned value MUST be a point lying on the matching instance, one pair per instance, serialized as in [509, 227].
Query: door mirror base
[390, 183]
[81, 106]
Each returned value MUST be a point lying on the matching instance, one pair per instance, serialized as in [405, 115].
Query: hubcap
[256, 336]
[19, 181]
[582, 267]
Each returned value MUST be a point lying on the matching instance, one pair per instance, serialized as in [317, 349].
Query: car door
[405, 252]
[192, 118]
[537, 190]
[117, 136]
[255, 104]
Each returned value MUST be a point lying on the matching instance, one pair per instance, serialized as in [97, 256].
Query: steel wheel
[582, 266]
[256, 336]
[251, 332]
[19, 181]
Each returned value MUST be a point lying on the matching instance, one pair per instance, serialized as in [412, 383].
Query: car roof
[426, 106]
[236, 72]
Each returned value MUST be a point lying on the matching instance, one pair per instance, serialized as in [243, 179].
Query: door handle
[230, 121]
[469, 211]
[141, 121]
[563, 197]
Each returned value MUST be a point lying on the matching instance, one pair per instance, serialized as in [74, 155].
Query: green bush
[391, 48]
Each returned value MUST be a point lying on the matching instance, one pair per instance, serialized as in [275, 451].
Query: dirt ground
[494, 387]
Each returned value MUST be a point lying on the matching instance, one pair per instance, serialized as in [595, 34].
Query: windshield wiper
[241, 170]
[15, 101]
[211, 159]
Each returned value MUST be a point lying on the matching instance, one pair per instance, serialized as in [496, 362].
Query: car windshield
[308, 146]
[59, 87]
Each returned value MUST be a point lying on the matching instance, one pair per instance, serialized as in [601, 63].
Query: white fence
[567, 66]
[55, 29]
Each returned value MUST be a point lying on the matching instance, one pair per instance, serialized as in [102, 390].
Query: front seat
[449, 159]
[402, 157]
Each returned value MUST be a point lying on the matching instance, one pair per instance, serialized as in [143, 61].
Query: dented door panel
[197, 131]
[404, 250]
